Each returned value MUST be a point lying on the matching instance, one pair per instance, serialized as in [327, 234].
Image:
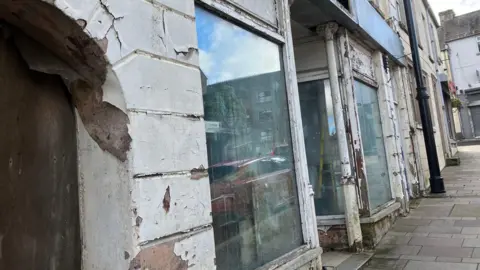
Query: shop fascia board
[366, 21]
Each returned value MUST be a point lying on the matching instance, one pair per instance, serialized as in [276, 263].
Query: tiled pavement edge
[440, 233]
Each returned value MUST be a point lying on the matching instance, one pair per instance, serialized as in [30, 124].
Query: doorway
[373, 143]
[475, 112]
[39, 213]
[321, 146]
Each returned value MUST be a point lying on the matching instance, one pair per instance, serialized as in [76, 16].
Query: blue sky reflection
[229, 52]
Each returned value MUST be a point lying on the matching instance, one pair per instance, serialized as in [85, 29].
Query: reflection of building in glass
[321, 147]
[250, 112]
[251, 171]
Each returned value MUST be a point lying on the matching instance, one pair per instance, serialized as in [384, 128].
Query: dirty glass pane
[323, 156]
[255, 206]
[373, 145]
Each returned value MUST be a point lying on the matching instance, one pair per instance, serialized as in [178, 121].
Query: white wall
[310, 57]
[152, 51]
[122, 202]
[465, 61]
[429, 67]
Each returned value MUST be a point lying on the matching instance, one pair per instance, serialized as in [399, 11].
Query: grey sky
[459, 6]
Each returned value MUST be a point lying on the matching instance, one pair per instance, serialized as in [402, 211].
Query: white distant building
[461, 39]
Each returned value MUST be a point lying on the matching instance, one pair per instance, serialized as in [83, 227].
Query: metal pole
[436, 180]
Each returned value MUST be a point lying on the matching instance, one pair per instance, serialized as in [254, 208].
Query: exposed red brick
[159, 257]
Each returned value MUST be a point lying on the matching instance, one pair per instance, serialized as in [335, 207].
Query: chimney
[446, 15]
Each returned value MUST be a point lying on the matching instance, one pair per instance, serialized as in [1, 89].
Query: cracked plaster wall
[144, 58]
[429, 68]
[152, 48]
[151, 208]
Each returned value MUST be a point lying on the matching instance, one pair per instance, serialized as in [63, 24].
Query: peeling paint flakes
[166, 200]
[187, 249]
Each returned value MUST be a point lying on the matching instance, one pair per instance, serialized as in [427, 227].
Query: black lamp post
[436, 180]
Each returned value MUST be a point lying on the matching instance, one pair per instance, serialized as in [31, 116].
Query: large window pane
[255, 207]
[373, 145]
[323, 156]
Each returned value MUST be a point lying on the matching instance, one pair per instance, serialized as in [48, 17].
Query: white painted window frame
[282, 36]
[304, 77]
[374, 84]
[478, 43]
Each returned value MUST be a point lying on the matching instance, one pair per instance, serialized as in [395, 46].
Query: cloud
[230, 52]
[459, 6]
[207, 61]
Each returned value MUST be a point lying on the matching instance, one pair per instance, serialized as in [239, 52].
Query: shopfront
[371, 133]
[258, 185]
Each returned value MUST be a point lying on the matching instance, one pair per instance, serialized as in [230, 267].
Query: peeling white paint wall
[152, 199]
[265, 9]
[105, 211]
[388, 118]
[311, 56]
[187, 207]
[196, 250]
[362, 60]
[429, 68]
[152, 46]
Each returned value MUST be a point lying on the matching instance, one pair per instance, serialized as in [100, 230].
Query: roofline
[432, 14]
[460, 38]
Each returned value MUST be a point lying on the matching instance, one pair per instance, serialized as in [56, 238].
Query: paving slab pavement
[440, 233]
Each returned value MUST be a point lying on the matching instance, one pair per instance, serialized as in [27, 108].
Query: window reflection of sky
[229, 52]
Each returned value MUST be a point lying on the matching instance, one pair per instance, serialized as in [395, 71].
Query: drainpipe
[352, 219]
[437, 185]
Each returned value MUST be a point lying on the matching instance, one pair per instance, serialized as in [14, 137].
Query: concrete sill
[381, 214]
[335, 260]
[372, 219]
[294, 260]
[329, 221]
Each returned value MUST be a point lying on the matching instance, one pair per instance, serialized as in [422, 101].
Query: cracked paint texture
[171, 203]
[119, 22]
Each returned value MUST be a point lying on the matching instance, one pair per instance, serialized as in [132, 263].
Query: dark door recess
[39, 214]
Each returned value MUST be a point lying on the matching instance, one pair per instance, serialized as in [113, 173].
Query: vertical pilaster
[389, 126]
[347, 180]
[353, 122]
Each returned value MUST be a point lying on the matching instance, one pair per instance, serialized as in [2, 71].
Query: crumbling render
[161, 256]
[105, 123]
[78, 59]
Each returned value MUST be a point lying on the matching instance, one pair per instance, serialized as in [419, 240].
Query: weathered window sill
[389, 208]
[293, 260]
[382, 213]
